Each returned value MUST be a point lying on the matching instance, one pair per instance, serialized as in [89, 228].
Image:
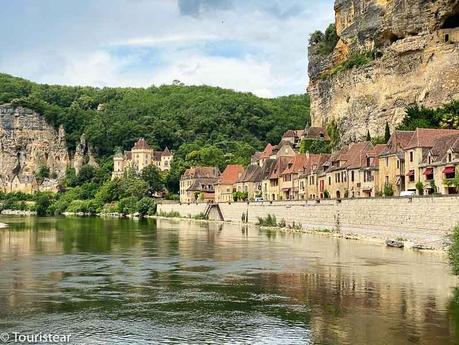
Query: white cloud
[138, 43]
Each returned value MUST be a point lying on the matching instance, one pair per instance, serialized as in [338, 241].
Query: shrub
[270, 220]
[146, 206]
[42, 204]
[171, 214]
[127, 205]
[420, 188]
[388, 190]
[453, 251]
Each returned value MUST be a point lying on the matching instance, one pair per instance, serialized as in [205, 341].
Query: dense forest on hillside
[202, 124]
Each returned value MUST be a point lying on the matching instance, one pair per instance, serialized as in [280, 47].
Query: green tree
[387, 134]
[152, 176]
[146, 206]
[420, 187]
[388, 190]
[42, 173]
[42, 204]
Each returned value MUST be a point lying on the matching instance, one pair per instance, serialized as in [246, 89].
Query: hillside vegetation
[202, 124]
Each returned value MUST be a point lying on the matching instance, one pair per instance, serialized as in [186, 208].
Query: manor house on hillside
[141, 156]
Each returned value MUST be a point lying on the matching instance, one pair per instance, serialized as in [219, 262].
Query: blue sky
[247, 45]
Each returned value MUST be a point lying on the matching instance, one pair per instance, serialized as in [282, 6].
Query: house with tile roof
[250, 182]
[141, 156]
[441, 165]
[363, 172]
[289, 177]
[226, 183]
[417, 150]
[392, 162]
[266, 171]
[308, 181]
[197, 184]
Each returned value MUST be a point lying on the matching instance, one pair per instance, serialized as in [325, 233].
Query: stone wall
[422, 220]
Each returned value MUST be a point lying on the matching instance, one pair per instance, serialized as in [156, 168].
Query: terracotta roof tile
[425, 137]
[231, 174]
[141, 144]
[316, 133]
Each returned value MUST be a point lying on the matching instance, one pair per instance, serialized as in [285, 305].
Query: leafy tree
[86, 174]
[420, 187]
[42, 204]
[128, 205]
[42, 172]
[388, 190]
[152, 176]
[387, 134]
[146, 206]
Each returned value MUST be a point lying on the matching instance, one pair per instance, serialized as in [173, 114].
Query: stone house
[197, 184]
[141, 156]
[308, 181]
[259, 158]
[363, 171]
[416, 151]
[250, 181]
[266, 171]
[226, 184]
[392, 162]
[274, 179]
[440, 165]
[294, 137]
[289, 187]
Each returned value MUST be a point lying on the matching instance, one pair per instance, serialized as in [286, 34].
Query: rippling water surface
[174, 282]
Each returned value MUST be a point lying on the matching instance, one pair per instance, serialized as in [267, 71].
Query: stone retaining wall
[422, 220]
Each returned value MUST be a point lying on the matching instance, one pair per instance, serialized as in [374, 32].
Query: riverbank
[423, 222]
[406, 243]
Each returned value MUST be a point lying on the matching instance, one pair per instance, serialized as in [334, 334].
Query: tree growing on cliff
[387, 134]
[325, 42]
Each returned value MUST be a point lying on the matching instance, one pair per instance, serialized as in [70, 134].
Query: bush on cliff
[325, 42]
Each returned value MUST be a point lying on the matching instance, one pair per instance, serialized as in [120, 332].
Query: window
[329, 180]
[387, 161]
[352, 176]
[398, 164]
[450, 157]
[446, 38]
[386, 180]
[411, 156]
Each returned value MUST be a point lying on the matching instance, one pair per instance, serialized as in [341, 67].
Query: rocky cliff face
[416, 48]
[27, 142]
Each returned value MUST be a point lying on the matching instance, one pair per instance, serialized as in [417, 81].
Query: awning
[286, 189]
[428, 171]
[410, 173]
[449, 170]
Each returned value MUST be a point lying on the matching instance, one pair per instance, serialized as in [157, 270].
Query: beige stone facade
[141, 156]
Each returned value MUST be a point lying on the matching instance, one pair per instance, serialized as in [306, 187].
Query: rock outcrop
[415, 45]
[28, 142]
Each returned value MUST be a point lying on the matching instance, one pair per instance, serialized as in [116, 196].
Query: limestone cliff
[415, 46]
[27, 142]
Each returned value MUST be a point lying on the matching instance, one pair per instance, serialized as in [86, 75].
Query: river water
[173, 282]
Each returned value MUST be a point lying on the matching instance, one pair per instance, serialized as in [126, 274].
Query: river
[120, 281]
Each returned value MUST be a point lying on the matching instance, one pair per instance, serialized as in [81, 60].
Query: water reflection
[141, 282]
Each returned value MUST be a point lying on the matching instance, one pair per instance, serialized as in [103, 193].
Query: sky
[257, 46]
